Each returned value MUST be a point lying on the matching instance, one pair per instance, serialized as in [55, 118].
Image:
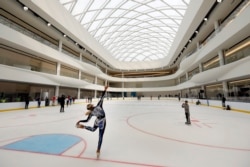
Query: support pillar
[78, 93]
[95, 84]
[57, 91]
[225, 89]
[186, 76]
[60, 46]
[221, 57]
[216, 26]
[200, 68]
[58, 68]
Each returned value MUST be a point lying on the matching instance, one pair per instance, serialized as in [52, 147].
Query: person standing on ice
[187, 113]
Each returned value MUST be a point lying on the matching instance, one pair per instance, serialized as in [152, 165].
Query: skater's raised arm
[102, 97]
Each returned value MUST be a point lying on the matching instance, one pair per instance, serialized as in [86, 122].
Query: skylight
[131, 30]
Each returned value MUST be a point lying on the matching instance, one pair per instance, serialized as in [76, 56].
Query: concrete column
[123, 89]
[200, 68]
[95, 80]
[221, 58]
[216, 26]
[122, 86]
[79, 74]
[80, 56]
[95, 84]
[60, 46]
[186, 76]
[106, 81]
[57, 91]
[198, 45]
[78, 93]
[203, 95]
[225, 89]
[188, 93]
[58, 68]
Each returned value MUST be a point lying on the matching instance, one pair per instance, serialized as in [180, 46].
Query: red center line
[178, 140]
[117, 161]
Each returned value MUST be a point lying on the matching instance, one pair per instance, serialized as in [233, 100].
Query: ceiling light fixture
[25, 8]
[48, 24]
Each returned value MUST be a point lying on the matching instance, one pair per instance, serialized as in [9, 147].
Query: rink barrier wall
[235, 106]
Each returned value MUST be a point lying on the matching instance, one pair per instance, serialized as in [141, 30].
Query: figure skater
[100, 121]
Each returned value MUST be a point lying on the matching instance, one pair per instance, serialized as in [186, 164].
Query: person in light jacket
[187, 113]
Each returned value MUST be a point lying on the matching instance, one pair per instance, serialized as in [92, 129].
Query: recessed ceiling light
[25, 8]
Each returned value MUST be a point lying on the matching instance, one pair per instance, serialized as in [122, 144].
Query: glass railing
[233, 15]
[24, 31]
[48, 43]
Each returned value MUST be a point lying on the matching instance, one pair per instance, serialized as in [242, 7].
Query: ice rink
[138, 133]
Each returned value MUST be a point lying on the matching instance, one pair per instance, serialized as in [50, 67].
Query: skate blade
[97, 155]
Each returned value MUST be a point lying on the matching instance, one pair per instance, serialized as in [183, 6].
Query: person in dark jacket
[62, 103]
[27, 101]
[223, 101]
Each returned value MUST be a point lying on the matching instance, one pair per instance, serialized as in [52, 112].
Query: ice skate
[97, 153]
[79, 126]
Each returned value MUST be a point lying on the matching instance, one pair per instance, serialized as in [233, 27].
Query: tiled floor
[138, 133]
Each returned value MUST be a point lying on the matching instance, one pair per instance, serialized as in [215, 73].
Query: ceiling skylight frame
[115, 28]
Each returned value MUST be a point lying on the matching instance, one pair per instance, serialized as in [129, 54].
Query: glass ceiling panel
[131, 30]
